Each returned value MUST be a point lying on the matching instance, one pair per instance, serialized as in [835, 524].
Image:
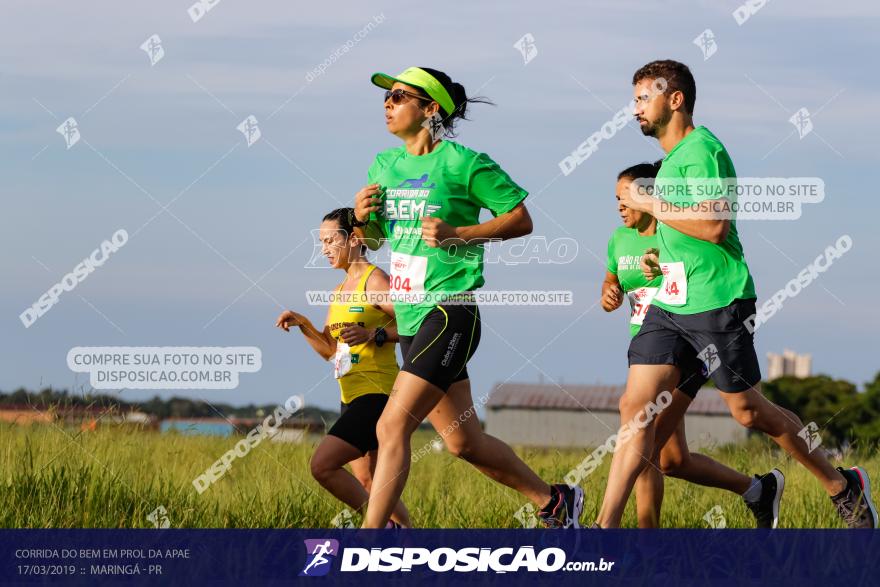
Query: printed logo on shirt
[409, 200]
[629, 262]
[405, 231]
[417, 183]
[340, 325]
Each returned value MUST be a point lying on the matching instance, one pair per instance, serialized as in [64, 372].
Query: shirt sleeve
[707, 177]
[375, 169]
[492, 188]
[373, 173]
[611, 264]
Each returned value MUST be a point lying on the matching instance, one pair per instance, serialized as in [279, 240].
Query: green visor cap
[418, 78]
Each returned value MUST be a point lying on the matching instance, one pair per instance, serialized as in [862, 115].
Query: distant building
[295, 430]
[789, 364]
[24, 415]
[198, 426]
[91, 417]
[83, 417]
[579, 416]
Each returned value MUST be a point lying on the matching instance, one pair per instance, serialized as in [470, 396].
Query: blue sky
[244, 214]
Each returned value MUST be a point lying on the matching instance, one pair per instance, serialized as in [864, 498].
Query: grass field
[113, 478]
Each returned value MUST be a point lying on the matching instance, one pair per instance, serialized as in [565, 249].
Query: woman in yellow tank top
[359, 338]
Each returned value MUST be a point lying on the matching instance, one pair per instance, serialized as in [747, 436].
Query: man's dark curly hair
[678, 79]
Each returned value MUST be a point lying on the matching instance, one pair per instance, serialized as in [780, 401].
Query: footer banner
[566, 557]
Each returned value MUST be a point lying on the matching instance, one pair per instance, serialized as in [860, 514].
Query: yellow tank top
[373, 368]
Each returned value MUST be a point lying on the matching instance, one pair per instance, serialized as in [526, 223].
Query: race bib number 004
[673, 289]
[408, 278]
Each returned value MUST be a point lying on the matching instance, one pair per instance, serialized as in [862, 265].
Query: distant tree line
[175, 407]
[844, 416]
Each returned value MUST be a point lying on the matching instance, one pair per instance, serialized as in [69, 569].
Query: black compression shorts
[445, 342]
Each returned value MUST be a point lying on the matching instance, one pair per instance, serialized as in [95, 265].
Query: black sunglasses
[399, 96]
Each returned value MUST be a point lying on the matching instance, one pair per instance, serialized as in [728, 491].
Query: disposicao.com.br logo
[319, 556]
[321, 552]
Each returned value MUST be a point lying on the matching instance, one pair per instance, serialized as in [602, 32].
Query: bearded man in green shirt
[672, 455]
[705, 300]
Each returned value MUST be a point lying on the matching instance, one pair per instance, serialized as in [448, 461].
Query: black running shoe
[854, 503]
[564, 508]
[766, 509]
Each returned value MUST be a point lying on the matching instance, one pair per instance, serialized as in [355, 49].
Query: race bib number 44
[407, 278]
[639, 300]
[673, 289]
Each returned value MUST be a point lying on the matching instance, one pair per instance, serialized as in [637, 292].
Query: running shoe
[766, 509]
[854, 503]
[564, 508]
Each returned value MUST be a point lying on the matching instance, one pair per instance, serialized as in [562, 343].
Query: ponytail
[459, 98]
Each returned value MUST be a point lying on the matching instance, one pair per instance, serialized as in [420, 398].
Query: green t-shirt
[625, 249]
[452, 183]
[699, 275]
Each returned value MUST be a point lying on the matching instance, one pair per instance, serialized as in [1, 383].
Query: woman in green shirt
[424, 198]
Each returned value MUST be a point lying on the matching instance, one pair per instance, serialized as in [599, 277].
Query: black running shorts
[719, 338]
[445, 342]
[693, 372]
[357, 424]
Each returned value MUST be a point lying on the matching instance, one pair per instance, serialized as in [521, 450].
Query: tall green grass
[113, 478]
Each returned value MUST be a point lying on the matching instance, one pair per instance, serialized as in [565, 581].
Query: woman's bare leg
[366, 466]
[455, 419]
[411, 401]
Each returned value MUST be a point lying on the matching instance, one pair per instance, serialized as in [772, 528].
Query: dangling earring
[435, 127]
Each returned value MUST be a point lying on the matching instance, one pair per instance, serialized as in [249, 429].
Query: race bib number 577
[639, 301]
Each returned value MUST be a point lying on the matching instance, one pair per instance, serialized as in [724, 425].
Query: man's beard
[652, 129]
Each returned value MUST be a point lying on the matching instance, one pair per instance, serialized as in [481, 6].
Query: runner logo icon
[319, 556]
